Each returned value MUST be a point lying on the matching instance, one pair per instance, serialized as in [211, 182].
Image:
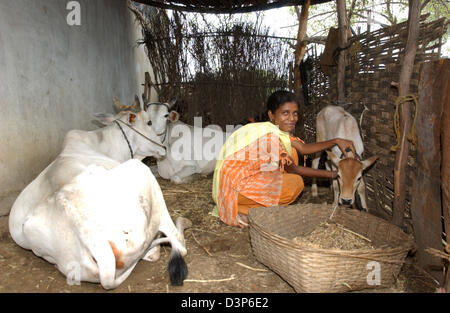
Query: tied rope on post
[412, 134]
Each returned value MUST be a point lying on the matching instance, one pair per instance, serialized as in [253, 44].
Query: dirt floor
[219, 257]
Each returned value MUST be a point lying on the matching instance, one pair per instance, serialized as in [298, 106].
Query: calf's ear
[104, 118]
[368, 162]
[333, 157]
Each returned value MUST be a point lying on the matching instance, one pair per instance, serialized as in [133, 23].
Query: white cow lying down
[94, 212]
[204, 144]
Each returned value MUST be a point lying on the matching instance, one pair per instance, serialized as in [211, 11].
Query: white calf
[184, 156]
[334, 122]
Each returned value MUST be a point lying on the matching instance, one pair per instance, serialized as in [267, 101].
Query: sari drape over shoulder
[251, 163]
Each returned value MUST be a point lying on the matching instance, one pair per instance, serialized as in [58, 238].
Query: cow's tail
[175, 235]
[177, 268]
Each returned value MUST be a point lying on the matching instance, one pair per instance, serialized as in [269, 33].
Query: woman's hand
[345, 146]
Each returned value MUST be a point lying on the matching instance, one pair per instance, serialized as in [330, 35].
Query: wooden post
[147, 86]
[342, 26]
[300, 49]
[445, 164]
[426, 204]
[401, 156]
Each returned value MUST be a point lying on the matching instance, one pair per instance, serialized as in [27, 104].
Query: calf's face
[349, 175]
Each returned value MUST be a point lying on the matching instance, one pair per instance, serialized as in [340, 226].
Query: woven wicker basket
[322, 270]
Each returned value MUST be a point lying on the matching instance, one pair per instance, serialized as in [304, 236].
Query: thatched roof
[224, 6]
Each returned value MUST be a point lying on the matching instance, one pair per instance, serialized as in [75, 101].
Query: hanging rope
[412, 137]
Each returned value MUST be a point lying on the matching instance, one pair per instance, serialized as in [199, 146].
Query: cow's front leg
[315, 165]
[154, 170]
[361, 203]
[153, 254]
[334, 185]
[184, 175]
[336, 192]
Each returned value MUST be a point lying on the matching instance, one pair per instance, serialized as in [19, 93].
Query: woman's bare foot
[243, 220]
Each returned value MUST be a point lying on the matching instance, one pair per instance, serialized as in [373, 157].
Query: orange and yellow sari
[250, 171]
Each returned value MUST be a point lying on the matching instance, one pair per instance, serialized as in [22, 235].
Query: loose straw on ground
[209, 280]
[176, 191]
[204, 248]
[332, 213]
[251, 268]
[438, 253]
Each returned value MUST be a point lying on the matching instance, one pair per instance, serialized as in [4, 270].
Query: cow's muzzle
[346, 201]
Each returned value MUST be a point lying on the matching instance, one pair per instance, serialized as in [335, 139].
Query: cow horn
[172, 103]
[136, 106]
[117, 106]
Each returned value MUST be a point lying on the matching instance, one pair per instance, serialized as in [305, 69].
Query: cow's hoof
[314, 192]
[177, 180]
[153, 255]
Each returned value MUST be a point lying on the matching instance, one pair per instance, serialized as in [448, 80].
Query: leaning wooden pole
[343, 42]
[404, 110]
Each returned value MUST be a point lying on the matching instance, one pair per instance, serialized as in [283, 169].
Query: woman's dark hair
[278, 98]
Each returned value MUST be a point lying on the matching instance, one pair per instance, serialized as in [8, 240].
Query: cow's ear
[104, 118]
[131, 118]
[368, 162]
[174, 116]
[333, 158]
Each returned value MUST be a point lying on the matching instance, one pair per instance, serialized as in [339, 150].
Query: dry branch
[251, 268]
[202, 246]
[209, 280]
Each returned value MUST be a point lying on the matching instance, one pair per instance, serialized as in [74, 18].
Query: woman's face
[286, 116]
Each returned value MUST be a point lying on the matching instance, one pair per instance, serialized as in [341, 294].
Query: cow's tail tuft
[177, 268]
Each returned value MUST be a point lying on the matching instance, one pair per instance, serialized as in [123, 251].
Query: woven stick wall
[369, 73]
[222, 72]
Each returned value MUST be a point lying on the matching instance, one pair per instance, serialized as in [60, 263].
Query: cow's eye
[149, 123]
[166, 116]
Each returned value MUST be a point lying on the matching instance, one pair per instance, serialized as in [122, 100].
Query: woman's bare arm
[310, 148]
[309, 172]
